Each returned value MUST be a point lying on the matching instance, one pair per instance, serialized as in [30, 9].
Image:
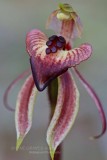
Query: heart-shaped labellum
[47, 64]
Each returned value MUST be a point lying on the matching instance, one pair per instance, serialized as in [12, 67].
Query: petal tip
[52, 152]
[19, 142]
[94, 138]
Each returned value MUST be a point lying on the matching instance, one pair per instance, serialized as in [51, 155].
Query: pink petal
[47, 67]
[12, 84]
[24, 109]
[65, 112]
[97, 101]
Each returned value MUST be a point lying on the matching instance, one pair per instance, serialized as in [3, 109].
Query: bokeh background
[17, 17]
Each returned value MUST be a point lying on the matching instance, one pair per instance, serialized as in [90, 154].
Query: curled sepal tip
[9, 88]
[97, 101]
[47, 67]
[24, 109]
[65, 112]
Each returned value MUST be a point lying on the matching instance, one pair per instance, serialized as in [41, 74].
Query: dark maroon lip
[39, 86]
[33, 68]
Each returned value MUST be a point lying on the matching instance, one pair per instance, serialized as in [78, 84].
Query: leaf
[24, 109]
[65, 112]
[47, 67]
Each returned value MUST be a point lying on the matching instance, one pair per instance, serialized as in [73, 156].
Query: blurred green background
[17, 17]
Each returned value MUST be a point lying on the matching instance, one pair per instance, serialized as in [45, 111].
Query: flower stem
[52, 94]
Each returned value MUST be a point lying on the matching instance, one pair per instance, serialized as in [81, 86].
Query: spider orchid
[51, 58]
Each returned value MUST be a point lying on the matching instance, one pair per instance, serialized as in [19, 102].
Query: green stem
[52, 94]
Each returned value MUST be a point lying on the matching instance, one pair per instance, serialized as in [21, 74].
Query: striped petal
[47, 67]
[65, 112]
[24, 109]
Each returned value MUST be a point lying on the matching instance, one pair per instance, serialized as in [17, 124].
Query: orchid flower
[50, 58]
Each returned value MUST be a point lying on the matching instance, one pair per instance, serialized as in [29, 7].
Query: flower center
[55, 43]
